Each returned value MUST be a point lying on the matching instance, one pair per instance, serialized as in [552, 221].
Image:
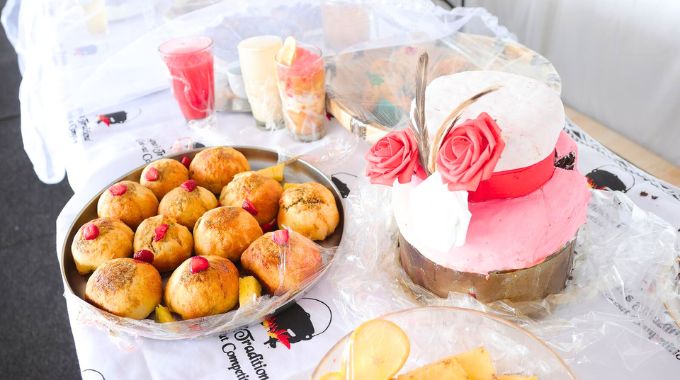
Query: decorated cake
[487, 196]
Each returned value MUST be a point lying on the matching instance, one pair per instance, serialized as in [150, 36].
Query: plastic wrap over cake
[622, 254]
[487, 195]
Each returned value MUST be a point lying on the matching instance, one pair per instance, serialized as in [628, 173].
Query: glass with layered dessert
[301, 81]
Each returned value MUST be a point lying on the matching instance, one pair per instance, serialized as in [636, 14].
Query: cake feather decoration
[418, 123]
[448, 123]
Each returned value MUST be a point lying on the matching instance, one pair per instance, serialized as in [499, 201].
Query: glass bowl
[437, 332]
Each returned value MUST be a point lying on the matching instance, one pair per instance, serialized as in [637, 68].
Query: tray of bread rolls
[201, 243]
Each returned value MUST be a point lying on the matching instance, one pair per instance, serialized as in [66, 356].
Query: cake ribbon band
[516, 182]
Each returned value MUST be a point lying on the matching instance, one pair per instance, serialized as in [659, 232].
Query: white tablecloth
[71, 77]
[315, 323]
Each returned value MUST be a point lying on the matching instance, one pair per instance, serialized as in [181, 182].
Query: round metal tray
[296, 171]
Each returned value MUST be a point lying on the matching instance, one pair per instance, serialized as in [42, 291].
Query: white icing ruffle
[430, 216]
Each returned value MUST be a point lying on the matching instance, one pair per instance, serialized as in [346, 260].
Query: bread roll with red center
[214, 168]
[226, 232]
[187, 203]
[282, 261]
[202, 286]
[255, 193]
[129, 202]
[309, 209]
[125, 287]
[170, 242]
[99, 241]
[163, 175]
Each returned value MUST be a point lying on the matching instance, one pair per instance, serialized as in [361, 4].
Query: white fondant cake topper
[529, 113]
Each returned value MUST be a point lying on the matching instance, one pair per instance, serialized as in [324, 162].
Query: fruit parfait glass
[190, 62]
[301, 81]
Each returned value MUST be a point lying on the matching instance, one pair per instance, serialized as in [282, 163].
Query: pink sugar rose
[469, 153]
[394, 156]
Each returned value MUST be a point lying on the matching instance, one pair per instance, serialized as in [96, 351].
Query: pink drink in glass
[190, 62]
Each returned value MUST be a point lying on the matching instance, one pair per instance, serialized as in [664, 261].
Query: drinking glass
[258, 68]
[190, 61]
[303, 93]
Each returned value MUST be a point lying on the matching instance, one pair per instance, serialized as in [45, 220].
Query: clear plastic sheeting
[82, 58]
[624, 256]
[374, 88]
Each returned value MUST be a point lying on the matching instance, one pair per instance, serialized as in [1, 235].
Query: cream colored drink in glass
[258, 68]
[301, 78]
[96, 17]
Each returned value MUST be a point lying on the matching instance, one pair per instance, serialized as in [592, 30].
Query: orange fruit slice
[286, 54]
[447, 368]
[275, 172]
[378, 349]
[332, 376]
[249, 290]
[163, 315]
[477, 363]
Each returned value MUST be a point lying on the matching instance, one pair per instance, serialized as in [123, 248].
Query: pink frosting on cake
[518, 233]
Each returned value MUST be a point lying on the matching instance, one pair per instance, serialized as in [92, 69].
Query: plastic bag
[294, 273]
[625, 256]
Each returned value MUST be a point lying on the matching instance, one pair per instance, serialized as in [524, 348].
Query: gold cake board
[533, 283]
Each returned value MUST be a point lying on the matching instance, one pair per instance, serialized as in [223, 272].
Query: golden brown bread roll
[170, 242]
[255, 193]
[264, 259]
[201, 286]
[226, 232]
[163, 175]
[187, 203]
[99, 241]
[214, 168]
[128, 201]
[309, 209]
[125, 287]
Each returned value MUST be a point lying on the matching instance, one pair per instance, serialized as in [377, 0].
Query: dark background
[35, 335]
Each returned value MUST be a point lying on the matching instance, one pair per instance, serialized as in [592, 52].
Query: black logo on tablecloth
[610, 177]
[92, 374]
[342, 187]
[112, 118]
[82, 126]
[294, 324]
[118, 117]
